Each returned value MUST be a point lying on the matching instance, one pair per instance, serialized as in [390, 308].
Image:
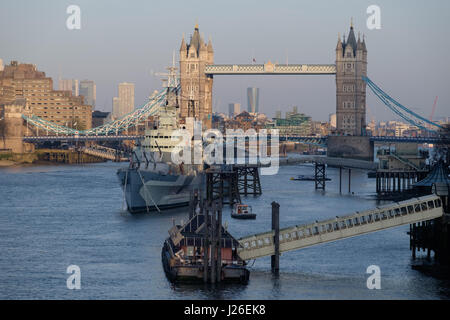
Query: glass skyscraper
[253, 100]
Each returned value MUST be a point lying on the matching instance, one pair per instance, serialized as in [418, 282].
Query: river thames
[53, 216]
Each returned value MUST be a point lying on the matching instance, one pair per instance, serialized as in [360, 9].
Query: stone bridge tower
[351, 65]
[196, 87]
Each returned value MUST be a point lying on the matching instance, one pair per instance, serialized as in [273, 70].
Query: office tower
[88, 91]
[18, 81]
[126, 98]
[333, 120]
[69, 85]
[278, 114]
[1, 65]
[253, 100]
[115, 108]
[234, 109]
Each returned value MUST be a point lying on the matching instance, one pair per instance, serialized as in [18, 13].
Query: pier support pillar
[319, 176]
[218, 208]
[206, 246]
[213, 242]
[275, 259]
[349, 180]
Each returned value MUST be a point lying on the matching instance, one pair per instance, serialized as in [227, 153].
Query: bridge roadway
[74, 138]
[318, 141]
[270, 68]
[359, 223]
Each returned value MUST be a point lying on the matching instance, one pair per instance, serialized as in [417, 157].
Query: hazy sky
[126, 40]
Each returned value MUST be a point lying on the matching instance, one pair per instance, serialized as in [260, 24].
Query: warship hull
[146, 191]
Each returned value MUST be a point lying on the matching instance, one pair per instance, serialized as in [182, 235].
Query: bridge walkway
[104, 152]
[359, 223]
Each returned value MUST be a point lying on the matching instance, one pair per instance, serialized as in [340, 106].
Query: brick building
[19, 80]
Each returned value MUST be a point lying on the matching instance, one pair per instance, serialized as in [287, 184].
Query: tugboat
[242, 211]
[183, 254]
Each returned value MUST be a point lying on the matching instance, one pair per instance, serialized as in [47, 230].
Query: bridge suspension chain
[405, 113]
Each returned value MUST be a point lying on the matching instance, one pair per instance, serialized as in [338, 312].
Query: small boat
[306, 178]
[242, 211]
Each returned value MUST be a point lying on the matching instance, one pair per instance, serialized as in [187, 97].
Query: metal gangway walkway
[105, 153]
[359, 223]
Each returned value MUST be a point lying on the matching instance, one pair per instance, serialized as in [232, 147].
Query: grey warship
[152, 182]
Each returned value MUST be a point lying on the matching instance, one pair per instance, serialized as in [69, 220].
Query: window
[316, 230]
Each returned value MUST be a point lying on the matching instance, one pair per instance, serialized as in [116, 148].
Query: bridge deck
[269, 68]
[380, 218]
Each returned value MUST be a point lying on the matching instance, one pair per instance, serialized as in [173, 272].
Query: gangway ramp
[104, 152]
[380, 218]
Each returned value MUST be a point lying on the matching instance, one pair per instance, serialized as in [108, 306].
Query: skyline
[393, 51]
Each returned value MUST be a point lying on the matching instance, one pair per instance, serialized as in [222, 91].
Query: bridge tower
[196, 86]
[351, 65]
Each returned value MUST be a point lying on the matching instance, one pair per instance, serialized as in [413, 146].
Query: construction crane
[434, 108]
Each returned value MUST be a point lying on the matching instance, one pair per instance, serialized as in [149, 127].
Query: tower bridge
[197, 70]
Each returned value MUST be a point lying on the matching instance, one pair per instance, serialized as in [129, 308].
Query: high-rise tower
[196, 87]
[351, 65]
[88, 90]
[253, 100]
[126, 98]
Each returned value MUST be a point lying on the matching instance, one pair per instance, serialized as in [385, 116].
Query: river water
[60, 215]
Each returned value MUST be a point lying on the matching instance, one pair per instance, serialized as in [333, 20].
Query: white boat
[242, 211]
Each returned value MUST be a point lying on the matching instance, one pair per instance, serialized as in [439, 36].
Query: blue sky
[127, 40]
